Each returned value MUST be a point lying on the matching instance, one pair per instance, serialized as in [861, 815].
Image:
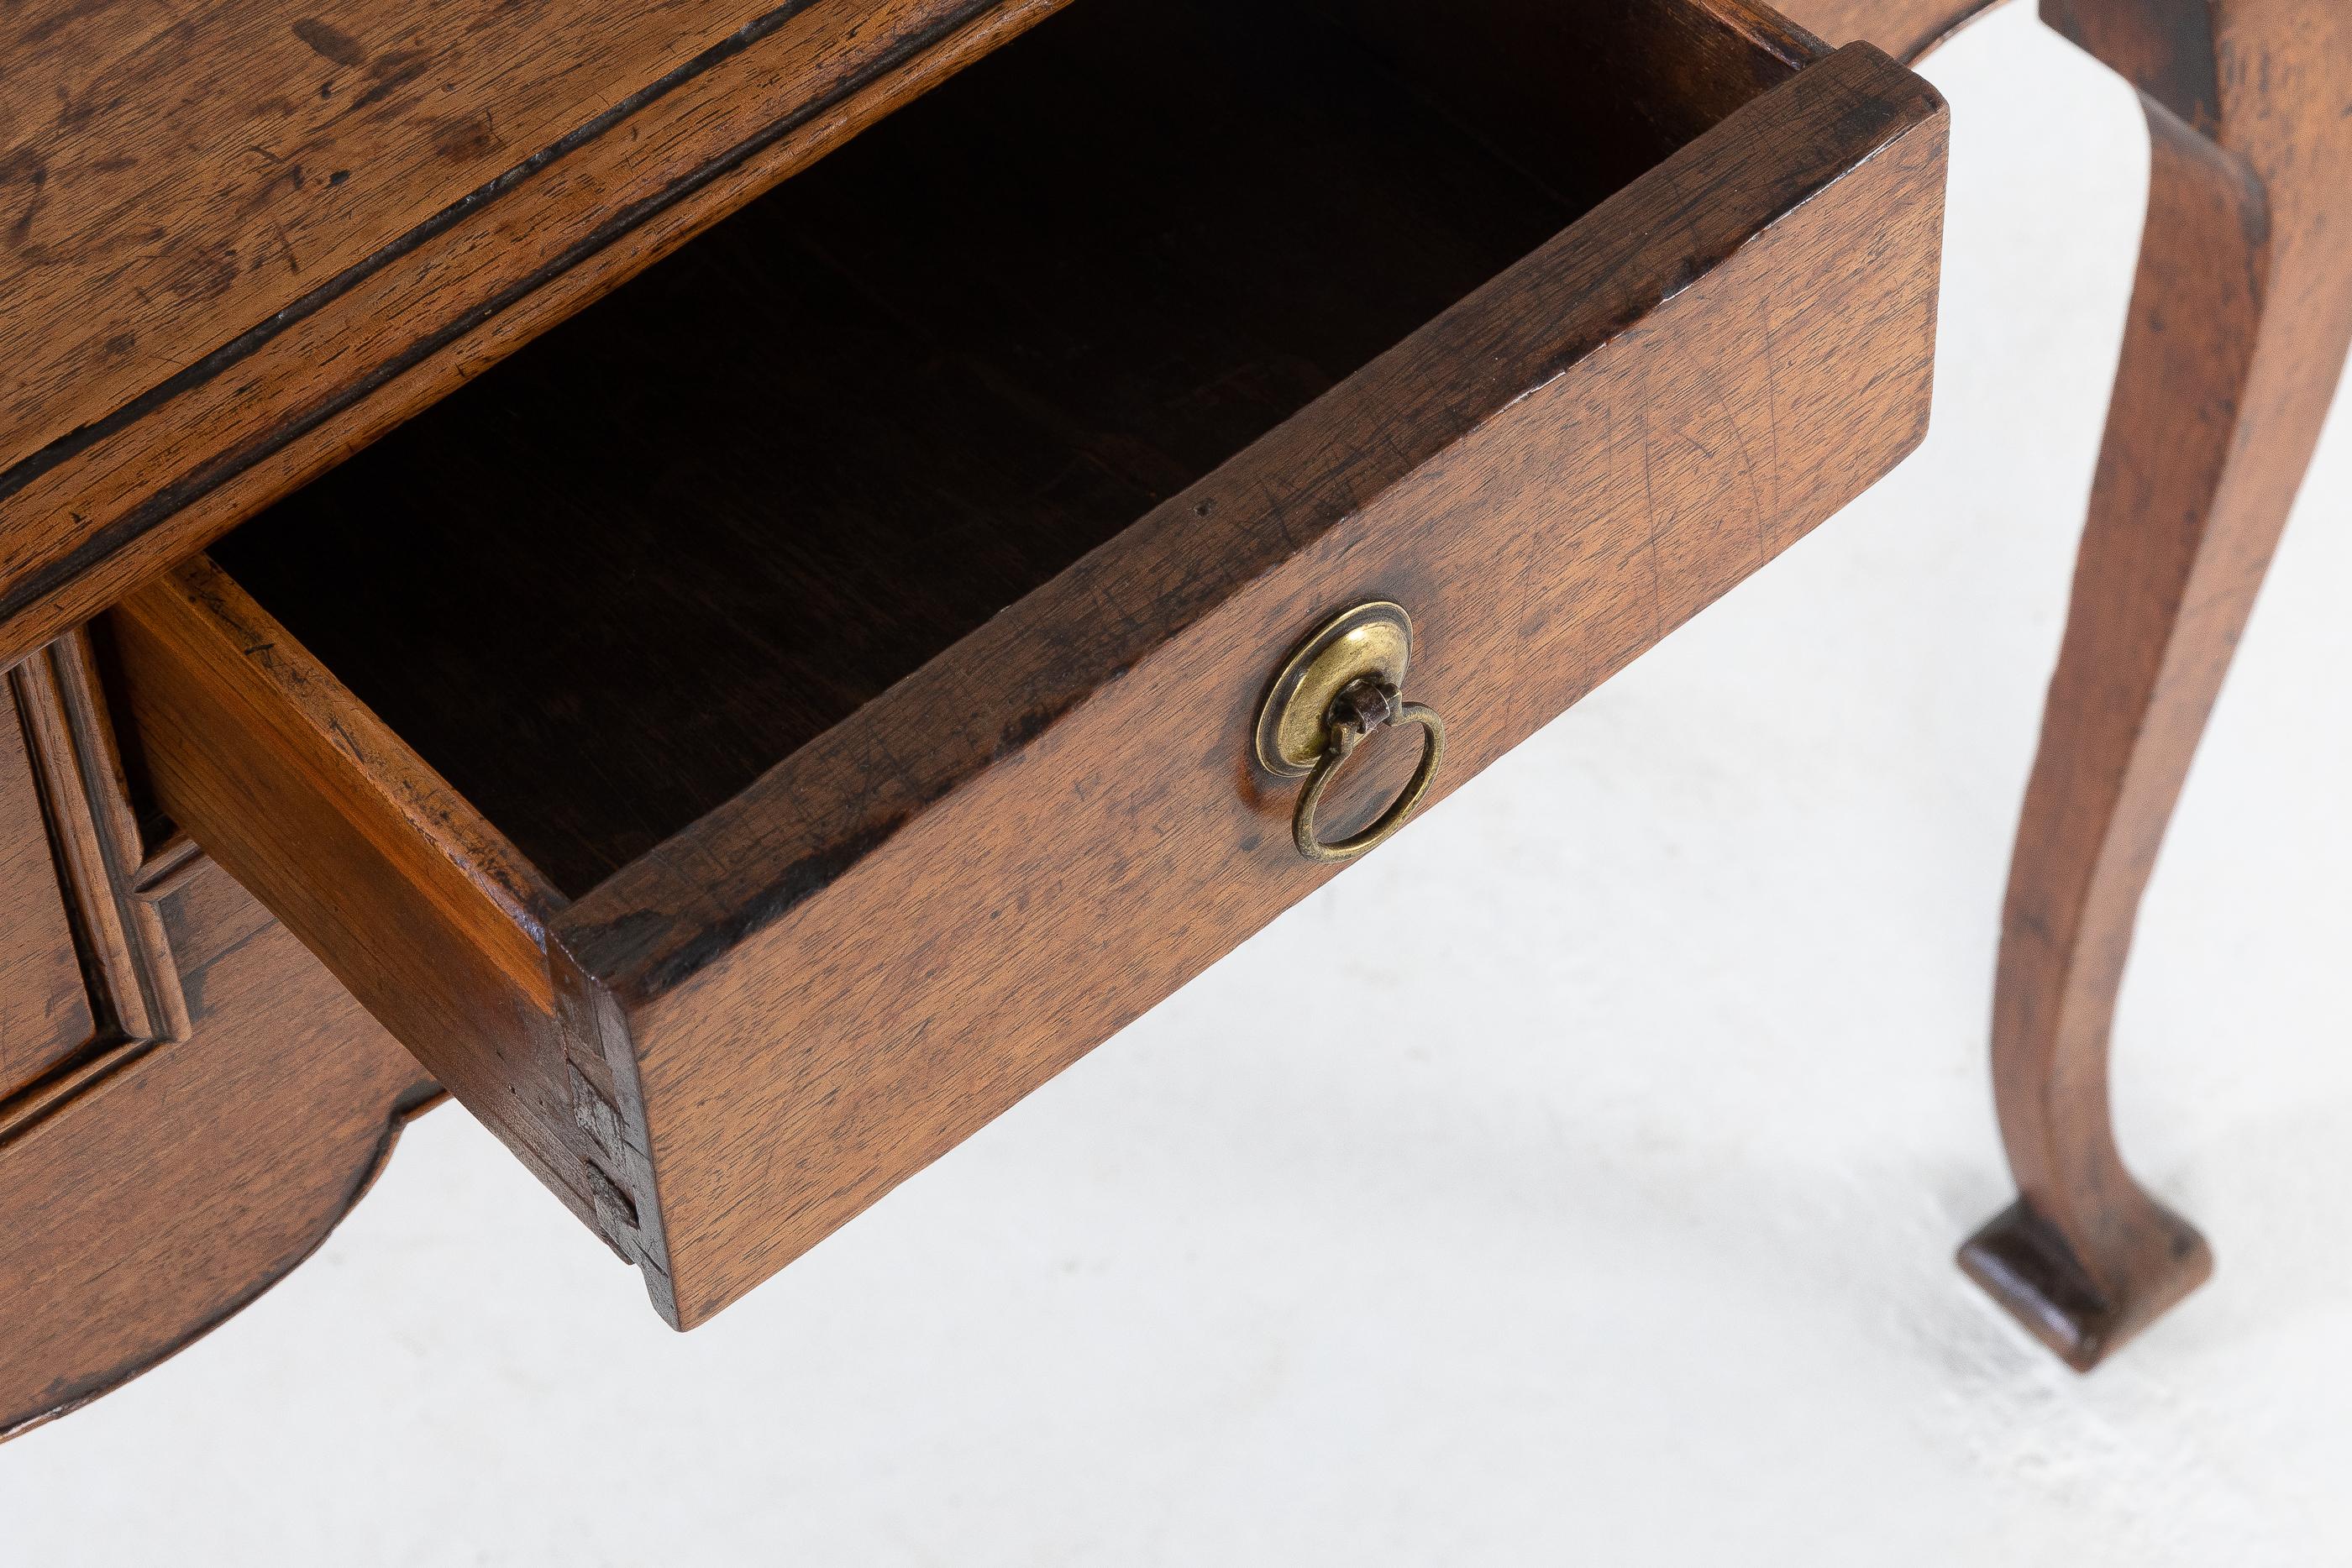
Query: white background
[1612, 1226]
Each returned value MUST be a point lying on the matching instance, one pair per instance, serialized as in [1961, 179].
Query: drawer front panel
[919, 917]
[44, 1015]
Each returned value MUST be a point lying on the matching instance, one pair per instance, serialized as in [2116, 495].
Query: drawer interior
[606, 587]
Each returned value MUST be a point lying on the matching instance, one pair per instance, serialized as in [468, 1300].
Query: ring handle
[1361, 708]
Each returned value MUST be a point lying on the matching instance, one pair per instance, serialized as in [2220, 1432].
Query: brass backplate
[1374, 639]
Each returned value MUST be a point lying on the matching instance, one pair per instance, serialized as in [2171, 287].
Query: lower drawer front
[732, 1042]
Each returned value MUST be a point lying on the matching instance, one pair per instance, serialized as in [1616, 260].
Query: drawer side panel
[407, 897]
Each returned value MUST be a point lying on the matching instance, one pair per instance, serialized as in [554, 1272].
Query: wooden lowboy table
[740, 731]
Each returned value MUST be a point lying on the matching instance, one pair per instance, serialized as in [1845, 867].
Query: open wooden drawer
[751, 737]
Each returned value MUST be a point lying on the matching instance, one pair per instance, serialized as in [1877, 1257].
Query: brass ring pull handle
[1336, 688]
[1360, 709]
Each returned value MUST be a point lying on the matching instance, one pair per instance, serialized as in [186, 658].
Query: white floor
[1614, 1226]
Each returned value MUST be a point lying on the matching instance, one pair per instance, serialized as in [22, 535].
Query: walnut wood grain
[239, 241]
[2238, 331]
[972, 876]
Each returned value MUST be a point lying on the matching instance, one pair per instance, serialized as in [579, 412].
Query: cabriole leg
[2238, 331]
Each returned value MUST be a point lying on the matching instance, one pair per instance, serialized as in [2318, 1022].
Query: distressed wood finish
[238, 241]
[2239, 326]
[220, 1101]
[951, 889]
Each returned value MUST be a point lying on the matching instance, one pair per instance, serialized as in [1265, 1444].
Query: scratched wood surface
[168, 173]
